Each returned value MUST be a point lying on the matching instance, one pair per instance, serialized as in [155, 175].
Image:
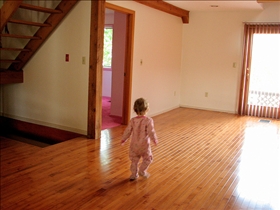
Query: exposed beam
[95, 69]
[8, 77]
[168, 8]
[8, 9]
[267, 1]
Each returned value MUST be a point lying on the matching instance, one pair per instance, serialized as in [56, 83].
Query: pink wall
[118, 59]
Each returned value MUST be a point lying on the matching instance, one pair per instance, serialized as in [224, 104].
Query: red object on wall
[67, 57]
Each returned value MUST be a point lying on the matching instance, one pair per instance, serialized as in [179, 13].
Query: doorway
[261, 72]
[95, 70]
[113, 68]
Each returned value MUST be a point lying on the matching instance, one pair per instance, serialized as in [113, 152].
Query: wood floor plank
[204, 160]
[191, 196]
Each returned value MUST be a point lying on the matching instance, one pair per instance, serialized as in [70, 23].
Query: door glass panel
[264, 89]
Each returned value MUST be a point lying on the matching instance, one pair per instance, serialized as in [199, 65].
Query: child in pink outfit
[141, 129]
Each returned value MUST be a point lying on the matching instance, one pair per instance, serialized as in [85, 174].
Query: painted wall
[107, 82]
[158, 43]
[212, 57]
[118, 60]
[55, 92]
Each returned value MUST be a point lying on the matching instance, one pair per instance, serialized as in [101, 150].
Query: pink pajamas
[146, 161]
[141, 129]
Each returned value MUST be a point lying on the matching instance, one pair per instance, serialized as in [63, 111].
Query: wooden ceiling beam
[166, 7]
[267, 1]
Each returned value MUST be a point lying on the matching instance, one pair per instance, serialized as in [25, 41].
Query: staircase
[25, 25]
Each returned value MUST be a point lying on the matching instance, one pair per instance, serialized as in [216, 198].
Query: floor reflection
[259, 167]
[105, 140]
[104, 146]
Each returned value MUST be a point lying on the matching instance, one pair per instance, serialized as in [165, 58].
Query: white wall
[55, 92]
[212, 43]
[158, 43]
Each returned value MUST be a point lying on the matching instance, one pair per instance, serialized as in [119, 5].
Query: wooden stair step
[14, 49]
[24, 22]
[39, 9]
[9, 61]
[19, 36]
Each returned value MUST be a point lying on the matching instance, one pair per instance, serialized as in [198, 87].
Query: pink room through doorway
[109, 121]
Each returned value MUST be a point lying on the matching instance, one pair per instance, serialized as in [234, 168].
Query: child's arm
[152, 133]
[126, 134]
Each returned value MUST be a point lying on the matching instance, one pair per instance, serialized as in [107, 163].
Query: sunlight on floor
[104, 141]
[259, 167]
[104, 146]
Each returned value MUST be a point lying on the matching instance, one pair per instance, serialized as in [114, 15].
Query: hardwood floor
[204, 160]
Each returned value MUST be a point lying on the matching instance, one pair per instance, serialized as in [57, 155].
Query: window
[107, 49]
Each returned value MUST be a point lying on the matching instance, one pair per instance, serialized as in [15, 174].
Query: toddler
[141, 129]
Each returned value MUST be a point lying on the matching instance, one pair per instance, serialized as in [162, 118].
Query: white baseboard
[163, 111]
[207, 109]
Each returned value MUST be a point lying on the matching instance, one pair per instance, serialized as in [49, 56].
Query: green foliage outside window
[107, 49]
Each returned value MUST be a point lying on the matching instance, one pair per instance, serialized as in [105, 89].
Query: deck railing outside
[262, 98]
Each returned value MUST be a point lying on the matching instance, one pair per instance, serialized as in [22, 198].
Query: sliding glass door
[260, 89]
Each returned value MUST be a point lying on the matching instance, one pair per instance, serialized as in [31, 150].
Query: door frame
[95, 66]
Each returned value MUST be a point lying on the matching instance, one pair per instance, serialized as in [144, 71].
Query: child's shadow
[119, 186]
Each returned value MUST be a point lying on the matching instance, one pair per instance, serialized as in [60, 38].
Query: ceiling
[216, 5]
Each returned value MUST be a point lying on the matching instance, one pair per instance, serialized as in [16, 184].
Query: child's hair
[140, 106]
